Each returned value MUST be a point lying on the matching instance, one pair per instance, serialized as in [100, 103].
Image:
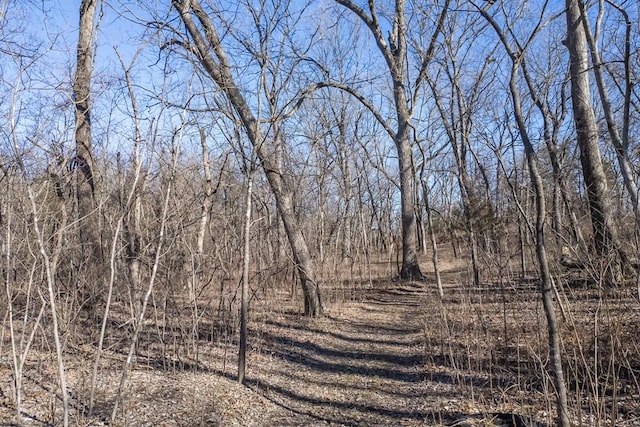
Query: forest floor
[385, 356]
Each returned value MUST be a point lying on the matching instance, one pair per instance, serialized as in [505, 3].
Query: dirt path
[363, 364]
[360, 365]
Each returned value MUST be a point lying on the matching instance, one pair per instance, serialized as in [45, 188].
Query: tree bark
[620, 144]
[88, 221]
[604, 230]
[546, 280]
[342, 153]
[432, 238]
[246, 259]
[396, 57]
[410, 265]
[205, 210]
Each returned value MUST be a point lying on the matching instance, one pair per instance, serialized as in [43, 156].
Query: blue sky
[62, 16]
[54, 23]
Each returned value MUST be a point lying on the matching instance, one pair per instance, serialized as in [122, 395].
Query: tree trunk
[546, 280]
[620, 144]
[246, 259]
[205, 210]
[88, 222]
[604, 231]
[301, 255]
[432, 237]
[396, 60]
[347, 191]
[395, 52]
[410, 267]
[458, 133]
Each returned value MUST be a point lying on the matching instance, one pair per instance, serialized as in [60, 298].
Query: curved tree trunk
[620, 144]
[209, 52]
[299, 247]
[546, 280]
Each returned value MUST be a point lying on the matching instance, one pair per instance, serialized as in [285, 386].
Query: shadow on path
[362, 364]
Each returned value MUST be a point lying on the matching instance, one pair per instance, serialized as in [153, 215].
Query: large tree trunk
[299, 247]
[410, 266]
[604, 230]
[88, 221]
[396, 57]
[620, 143]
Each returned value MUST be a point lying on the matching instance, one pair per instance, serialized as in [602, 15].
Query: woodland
[320, 212]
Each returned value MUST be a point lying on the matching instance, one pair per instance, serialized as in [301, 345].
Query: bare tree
[85, 164]
[456, 104]
[605, 234]
[620, 140]
[405, 90]
[155, 265]
[48, 254]
[205, 47]
[516, 51]
[249, 170]
[330, 121]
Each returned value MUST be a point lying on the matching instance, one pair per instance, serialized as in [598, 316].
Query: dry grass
[386, 353]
